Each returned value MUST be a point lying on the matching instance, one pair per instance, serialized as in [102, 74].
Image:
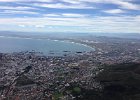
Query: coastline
[68, 41]
[78, 43]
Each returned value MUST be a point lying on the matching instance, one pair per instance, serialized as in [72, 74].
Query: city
[31, 75]
[69, 49]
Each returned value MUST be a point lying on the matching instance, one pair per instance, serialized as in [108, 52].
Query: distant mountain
[119, 35]
[71, 35]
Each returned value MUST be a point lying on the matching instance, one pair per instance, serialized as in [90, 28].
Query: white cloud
[65, 15]
[51, 15]
[17, 8]
[79, 4]
[39, 26]
[72, 1]
[74, 15]
[85, 21]
[21, 25]
[8, 0]
[26, 0]
[43, 0]
[126, 4]
[114, 11]
[95, 24]
[17, 12]
[64, 6]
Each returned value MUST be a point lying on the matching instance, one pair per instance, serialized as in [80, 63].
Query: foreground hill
[119, 82]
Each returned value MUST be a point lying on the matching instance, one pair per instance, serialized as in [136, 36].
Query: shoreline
[68, 41]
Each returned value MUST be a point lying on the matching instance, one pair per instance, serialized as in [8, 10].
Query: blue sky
[107, 16]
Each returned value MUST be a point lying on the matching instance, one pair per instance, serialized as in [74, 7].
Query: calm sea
[47, 47]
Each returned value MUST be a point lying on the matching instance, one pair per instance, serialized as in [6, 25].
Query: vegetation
[119, 82]
[77, 90]
[57, 96]
[23, 80]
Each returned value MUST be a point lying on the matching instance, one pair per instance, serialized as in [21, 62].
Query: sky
[103, 16]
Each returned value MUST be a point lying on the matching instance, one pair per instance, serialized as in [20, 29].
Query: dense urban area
[29, 75]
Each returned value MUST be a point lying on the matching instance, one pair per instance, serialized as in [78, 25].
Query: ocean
[46, 46]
